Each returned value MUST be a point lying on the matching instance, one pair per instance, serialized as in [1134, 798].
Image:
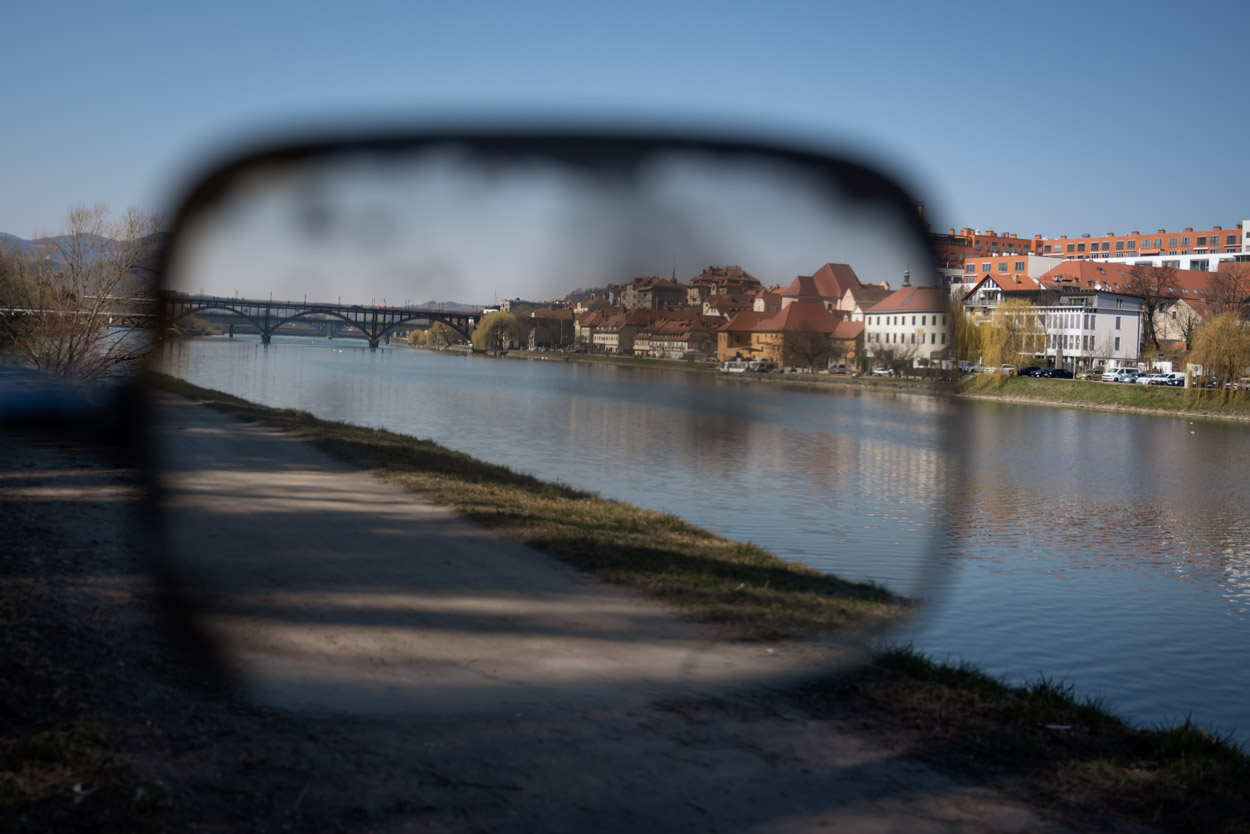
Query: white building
[912, 321]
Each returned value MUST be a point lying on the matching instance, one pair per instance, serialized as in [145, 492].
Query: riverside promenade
[394, 668]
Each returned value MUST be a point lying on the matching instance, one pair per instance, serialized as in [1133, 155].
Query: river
[1110, 551]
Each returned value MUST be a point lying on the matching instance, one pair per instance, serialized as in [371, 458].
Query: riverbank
[1138, 399]
[1107, 396]
[1044, 736]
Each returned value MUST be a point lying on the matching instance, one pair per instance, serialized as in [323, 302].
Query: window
[1117, 322]
[1184, 241]
[1117, 342]
[1002, 266]
[943, 319]
[1046, 249]
[1202, 241]
[1019, 266]
[1119, 245]
[913, 321]
[1230, 240]
[1158, 243]
[985, 267]
[1200, 263]
[1071, 248]
[1132, 244]
[943, 338]
[970, 269]
[1119, 303]
[1171, 242]
[1080, 247]
[1105, 246]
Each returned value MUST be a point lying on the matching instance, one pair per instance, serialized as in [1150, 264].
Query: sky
[1058, 119]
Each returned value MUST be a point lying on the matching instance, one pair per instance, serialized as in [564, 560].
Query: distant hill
[143, 275]
[13, 242]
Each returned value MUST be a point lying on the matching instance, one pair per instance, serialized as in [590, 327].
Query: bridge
[375, 323]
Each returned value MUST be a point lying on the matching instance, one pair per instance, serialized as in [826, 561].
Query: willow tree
[965, 335]
[440, 335]
[494, 330]
[1222, 348]
[1014, 330]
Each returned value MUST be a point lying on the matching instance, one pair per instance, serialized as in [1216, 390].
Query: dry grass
[1060, 745]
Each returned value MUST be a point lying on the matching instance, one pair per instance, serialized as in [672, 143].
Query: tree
[76, 305]
[1229, 290]
[416, 337]
[965, 335]
[898, 357]
[808, 346]
[1149, 283]
[440, 335]
[494, 330]
[1222, 348]
[1013, 331]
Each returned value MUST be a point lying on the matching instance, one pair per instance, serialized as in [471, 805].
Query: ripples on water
[1108, 550]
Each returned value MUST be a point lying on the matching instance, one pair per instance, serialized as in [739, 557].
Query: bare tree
[1182, 321]
[76, 306]
[1229, 290]
[1150, 284]
[899, 357]
[808, 346]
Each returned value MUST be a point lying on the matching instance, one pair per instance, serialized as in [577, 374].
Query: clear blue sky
[1052, 119]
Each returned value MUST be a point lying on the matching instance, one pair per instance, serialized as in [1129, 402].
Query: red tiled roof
[849, 330]
[800, 315]
[1181, 283]
[831, 281]
[912, 300]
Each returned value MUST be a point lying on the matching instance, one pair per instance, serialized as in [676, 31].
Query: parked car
[1053, 373]
[1144, 379]
[883, 372]
[1121, 375]
[1093, 373]
[1174, 379]
[1029, 370]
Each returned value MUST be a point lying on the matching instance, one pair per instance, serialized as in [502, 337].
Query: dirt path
[496, 750]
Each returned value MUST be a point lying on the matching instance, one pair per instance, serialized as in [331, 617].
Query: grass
[743, 588]
[1178, 778]
[1107, 395]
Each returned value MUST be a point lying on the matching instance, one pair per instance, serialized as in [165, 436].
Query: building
[720, 280]
[912, 322]
[1077, 324]
[1017, 266]
[1189, 245]
[826, 286]
[792, 337]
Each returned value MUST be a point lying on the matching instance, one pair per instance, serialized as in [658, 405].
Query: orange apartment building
[1192, 242]
[954, 248]
[1187, 249]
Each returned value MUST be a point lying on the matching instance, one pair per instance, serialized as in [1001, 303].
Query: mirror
[587, 436]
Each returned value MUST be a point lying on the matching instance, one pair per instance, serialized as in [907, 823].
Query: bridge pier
[264, 338]
[373, 344]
